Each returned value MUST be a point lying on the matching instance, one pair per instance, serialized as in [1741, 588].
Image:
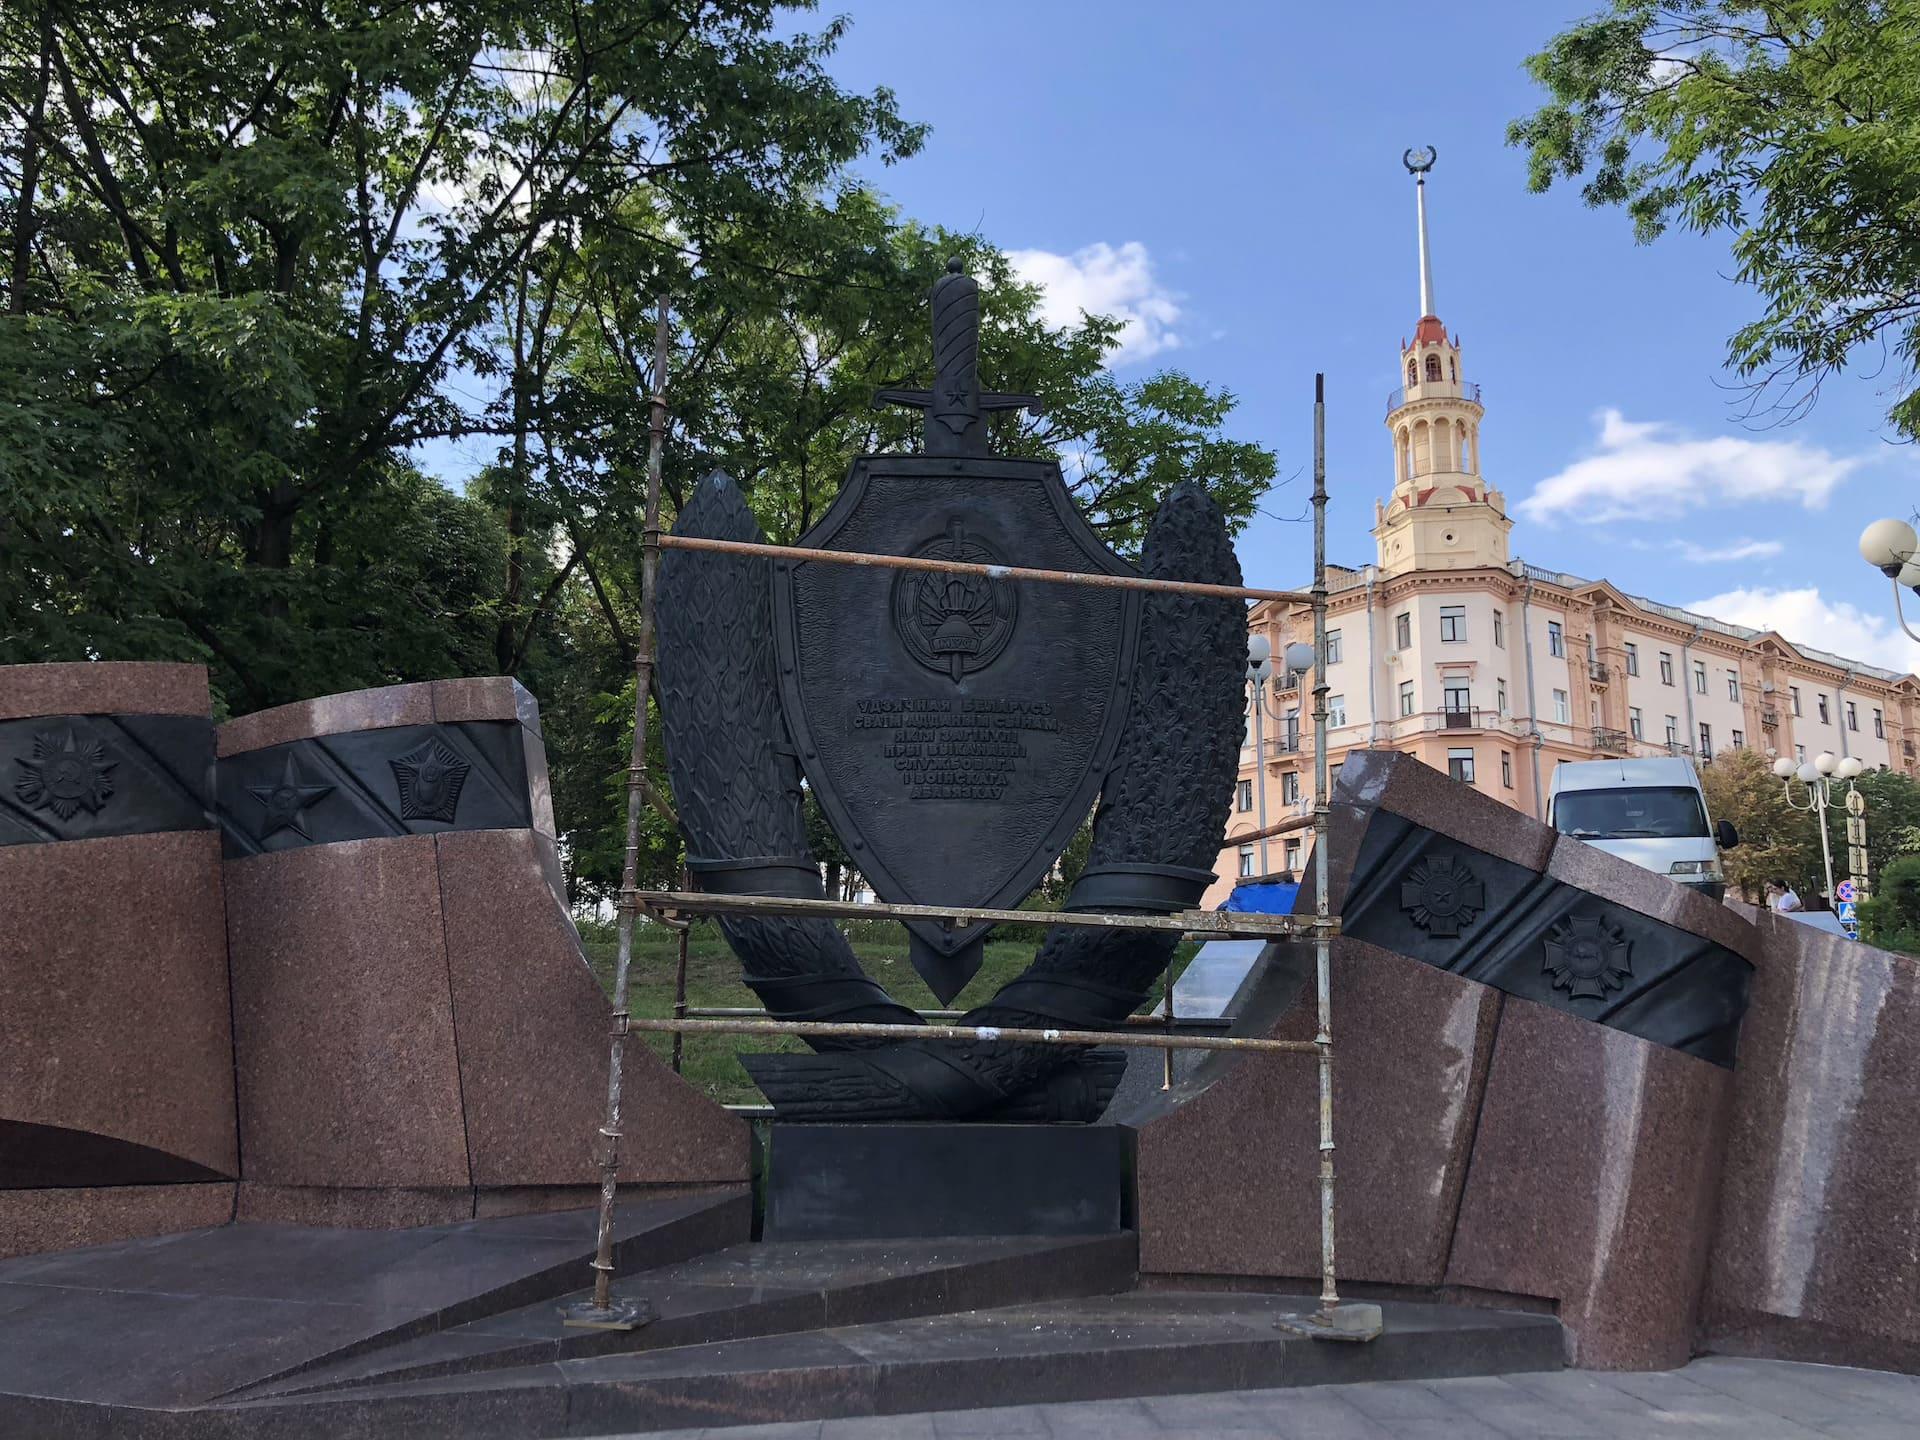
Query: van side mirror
[1726, 835]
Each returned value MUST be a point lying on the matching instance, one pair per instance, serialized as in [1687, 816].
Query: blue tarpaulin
[1268, 897]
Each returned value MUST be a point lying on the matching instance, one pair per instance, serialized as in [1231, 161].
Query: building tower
[1441, 515]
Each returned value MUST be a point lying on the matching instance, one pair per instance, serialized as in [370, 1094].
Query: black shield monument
[955, 730]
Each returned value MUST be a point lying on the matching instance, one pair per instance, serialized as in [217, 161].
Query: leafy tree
[1891, 919]
[1892, 816]
[1775, 840]
[253, 248]
[1794, 127]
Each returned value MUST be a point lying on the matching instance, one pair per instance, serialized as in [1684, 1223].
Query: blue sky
[1230, 175]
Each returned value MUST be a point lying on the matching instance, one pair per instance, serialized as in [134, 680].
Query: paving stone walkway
[1748, 1399]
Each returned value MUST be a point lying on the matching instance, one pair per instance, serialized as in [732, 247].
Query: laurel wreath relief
[737, 786]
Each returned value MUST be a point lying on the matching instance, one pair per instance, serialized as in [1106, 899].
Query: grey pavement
[1750, 1399]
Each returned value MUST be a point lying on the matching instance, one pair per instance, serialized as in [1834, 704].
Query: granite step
[1142, 1343]
[757, 1290]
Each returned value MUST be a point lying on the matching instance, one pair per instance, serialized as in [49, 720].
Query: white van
[1651, 812]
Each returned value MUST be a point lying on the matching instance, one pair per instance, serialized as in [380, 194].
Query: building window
[1739, 739]
[1506, 769]
[1406, 697]
[1560, 711]
[1453, 622]
[1793, 694]
[1733, 685]
[1879, 725]
[1246, 861]
[1706, 741]
[1413, 372]
[1293, 857]
[1556, 639]
[1800, 753]
[1699, 677]
[1633, 657]
[1433, 367]
[1673, 729]
[1290, 787]
[1460, 764]
[1634, 726]
[1333, 647]
[1499, 629]
[1821, 702]
[1666, 667]
[1458, 699]
[1403, 630]
[1500, 695]
[1243, 796]
[1853, 717]
[1336, 713]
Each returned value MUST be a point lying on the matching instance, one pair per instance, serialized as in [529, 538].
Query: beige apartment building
[1495, 671]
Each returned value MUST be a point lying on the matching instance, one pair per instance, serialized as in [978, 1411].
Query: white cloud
[1652, 470]
[1732, 550]
[1102, 279]
[1806, 617]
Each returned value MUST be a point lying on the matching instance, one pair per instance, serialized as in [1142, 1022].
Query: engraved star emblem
[285, 801]
[957, 395]
[66, 775]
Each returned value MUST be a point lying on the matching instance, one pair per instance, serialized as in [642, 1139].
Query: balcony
[1674, 747]
[1460, 718]
[1435, 390]
[1612, 742]
[1597, 676]
[1769, 719]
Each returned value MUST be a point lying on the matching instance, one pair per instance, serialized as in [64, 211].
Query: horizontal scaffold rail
[1205, 924]
[983, 1034]
[1158, 1021]
[1097, 579]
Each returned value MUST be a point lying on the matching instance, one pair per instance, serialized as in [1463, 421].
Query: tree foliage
[264, 263]
[1891, 919]
[1776, 841]
[1791, 126]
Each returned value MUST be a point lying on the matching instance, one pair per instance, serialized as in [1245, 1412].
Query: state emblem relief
[954, 624]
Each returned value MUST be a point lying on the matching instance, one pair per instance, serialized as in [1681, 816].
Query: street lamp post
[1892, 548]
[1818, 775]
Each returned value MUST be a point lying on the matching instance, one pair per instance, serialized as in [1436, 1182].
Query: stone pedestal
[417, 1032]
[116, 1067]
[1816, 1258]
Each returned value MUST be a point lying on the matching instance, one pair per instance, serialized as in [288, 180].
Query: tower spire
[1418, 163]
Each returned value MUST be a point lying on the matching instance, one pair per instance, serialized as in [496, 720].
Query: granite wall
[315, 966]
[1818, 1251]
[116, 1058]
[1531, 1089]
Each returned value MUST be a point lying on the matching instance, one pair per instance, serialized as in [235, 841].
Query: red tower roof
[1430, 331]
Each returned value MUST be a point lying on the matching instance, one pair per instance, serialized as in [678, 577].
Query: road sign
[1856, 803]
[1844, 912]
[1844, 892]
[1856, 830]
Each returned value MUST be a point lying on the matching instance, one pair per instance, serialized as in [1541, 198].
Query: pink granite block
[485, 697]
[34, 1222]
[116, 1060]
[1818, 1252]
[329, 715]
[532, 1024]
[352, 1209]
[102, 687]
[343, 1018]
[1593, 1181]
[1228, 1182]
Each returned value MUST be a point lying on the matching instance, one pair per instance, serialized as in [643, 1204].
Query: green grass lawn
[713, 979]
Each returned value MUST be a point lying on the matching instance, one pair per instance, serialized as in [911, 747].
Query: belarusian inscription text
[955, 748]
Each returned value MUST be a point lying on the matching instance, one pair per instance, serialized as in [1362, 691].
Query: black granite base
[875, 1182]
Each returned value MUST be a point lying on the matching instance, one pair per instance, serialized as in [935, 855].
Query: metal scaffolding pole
[603, 1312]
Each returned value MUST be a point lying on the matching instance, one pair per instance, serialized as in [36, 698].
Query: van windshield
[1663, 813]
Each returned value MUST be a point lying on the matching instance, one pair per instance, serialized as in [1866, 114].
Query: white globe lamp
[1888, 544]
